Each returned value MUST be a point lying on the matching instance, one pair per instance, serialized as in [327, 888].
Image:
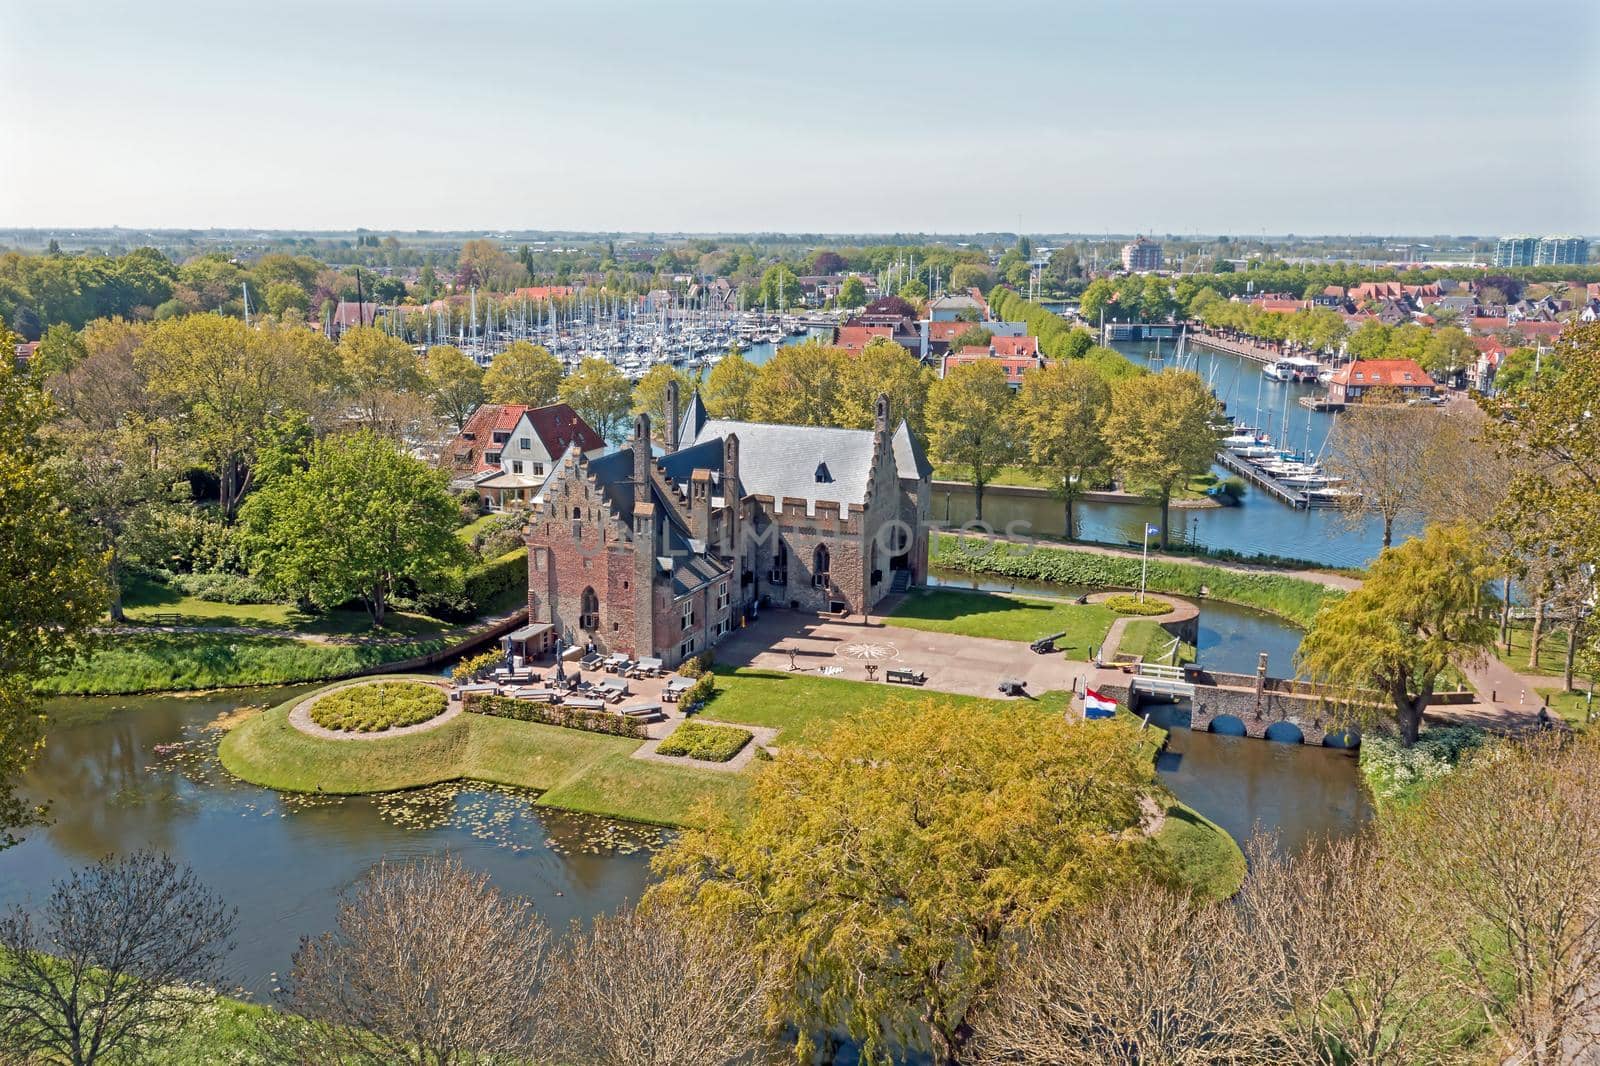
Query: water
[280, 860]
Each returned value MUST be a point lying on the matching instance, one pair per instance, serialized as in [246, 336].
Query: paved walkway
[300, 715]
[844, 648]
[761, 737]
[1182, 611]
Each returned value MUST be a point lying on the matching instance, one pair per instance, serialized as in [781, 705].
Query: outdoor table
[676, 681]
[584, 704]
[543, 695]
[480, 687]
[651, 664]
[643, 710]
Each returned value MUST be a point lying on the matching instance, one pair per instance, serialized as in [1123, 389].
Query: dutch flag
[1096, 705]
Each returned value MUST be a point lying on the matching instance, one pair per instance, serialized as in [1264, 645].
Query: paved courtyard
[845, 648]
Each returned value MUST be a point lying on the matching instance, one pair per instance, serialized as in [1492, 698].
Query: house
[1353, 381]
[663, 556]
[950, 308]
[542, 292]
[506, 451]
[1015, 365]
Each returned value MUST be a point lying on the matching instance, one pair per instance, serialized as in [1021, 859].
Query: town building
[1352, 382]
[1561, 251]
[662, 555]
[506, 451]
[1141, 255]
[1515, 251]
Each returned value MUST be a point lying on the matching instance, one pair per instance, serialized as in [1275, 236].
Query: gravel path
[300, 715]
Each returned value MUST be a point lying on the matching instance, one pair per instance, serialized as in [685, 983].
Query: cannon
[1046, 645]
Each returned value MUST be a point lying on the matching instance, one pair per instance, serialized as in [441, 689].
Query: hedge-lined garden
[708, 743]
[1129, 604]
[373, 708]
[1292, 598]
[617, 725]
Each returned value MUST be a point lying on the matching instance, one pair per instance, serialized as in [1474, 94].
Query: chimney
[642, 460]
[669, 432]
[881, 413]
[731, 501]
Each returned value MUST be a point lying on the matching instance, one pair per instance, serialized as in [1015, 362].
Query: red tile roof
[1015, 345]
[465, 455]
[1524, 326]
[1383, 373]
[560, 427]
[855, 338]
[543, 292]
[1014, 365]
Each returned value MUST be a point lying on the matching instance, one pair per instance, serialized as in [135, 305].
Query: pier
[1256, 353]
[1321, 404]
[1263, 480]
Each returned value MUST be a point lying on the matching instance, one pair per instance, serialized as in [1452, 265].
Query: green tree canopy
[800, 384]
[381, 378]
[971, 422]
[884, 871]
[650, 394]
[1382, 649]
[359, 521]
[524, 373]
[730, 386]
[1160, 433]
[1060, 414]
[883, 368]
[600, 393]
[455, 381]
[853, 292]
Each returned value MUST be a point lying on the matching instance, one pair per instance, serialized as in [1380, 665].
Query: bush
[376, 707]
[488, 582]
[698, 693]
[1288, 597]
[471, 667]
[1399, 775]
[1128, 603]
[617, 725]
[708, 743]
[223, 588]
[696, 666]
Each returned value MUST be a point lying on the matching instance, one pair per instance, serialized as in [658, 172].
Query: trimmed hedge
[697, 694]
[708, 743]
[376, 707]
[488, 581]
[1292, 598]
[616, 725]
[1128, 603]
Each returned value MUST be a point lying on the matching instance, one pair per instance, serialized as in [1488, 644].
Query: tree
[430, 965]
[455, 381]
[1151, 977]
[883, 368]
[1382, 649]
[122, 951]
[883, 871]
[779, 288]
[799, 385]
[970, 422]
[285, 296]
[964, 276]
[972, 337]
[1160, 433]
[657, 987]
[1384, 453]
[104, 387]
[650, 394]
[523, 373]
[1448, 351]
[1370, 341]
[731, 385]
[362, 518]
[1060, 411]
[1097, 297]
[1512, 841]
[52, 583]
[382, 379]
[600, 393]
[60, 349]
[853, 292]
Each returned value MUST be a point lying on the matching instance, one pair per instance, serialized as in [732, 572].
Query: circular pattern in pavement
[870, 653]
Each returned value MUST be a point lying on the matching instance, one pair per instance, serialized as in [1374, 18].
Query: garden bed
[708, 743]
[1129, 604]
[374, 708]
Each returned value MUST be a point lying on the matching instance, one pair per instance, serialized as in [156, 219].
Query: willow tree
[885, 872]
[1382, 650]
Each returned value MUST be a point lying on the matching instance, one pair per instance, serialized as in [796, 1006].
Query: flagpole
[1144, 563]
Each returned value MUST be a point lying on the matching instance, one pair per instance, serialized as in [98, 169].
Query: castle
[662, 555]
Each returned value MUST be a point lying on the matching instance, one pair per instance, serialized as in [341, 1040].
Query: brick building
[664, 554]
[1403, 377]
[507, 450]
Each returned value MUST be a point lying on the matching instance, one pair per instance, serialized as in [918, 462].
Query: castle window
[577, 513]
[819, 567]
[589, 610]
[780, 565]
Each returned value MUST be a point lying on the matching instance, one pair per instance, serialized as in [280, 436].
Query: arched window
[819, 567]
[577, 512]
[589, 610]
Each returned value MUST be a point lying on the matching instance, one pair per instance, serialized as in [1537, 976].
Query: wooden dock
[1243, 349]
[1263, 480]
[1320, 403]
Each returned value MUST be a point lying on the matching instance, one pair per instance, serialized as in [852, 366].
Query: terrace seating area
[641, 689]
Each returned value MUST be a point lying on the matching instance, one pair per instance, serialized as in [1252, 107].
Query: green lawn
[1203, 852]
[477, 525]
[144, 599]
[1572, 706]
[1147, 639]
[1552, 651]
[1022, 477]
[174, 662]
[984, 614]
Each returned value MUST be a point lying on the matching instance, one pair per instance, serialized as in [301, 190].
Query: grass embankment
[147, 602]
[1004, 617]
[1204, 854]
[1573, 707]
[1022, 477]
[170, 662]
[1552, 660]
[1152, 643]
[573, 769]
[1291, 598]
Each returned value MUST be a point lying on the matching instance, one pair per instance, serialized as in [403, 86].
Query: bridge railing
[1161, 670]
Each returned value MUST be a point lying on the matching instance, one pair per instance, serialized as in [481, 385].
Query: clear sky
[1229, 116]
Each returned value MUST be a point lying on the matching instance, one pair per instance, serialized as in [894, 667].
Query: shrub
[617, 725]
[223, 588]
[696, 666]
[708, 743]
[472, 666]
[488, 582]
[698, 693]
[1399, 775]
[1128, 603]
[376, 707]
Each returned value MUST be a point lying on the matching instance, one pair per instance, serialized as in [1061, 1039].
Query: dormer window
[502, 435]
[823, 475]
[492, 457]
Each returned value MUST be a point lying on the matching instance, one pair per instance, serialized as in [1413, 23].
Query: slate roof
[782, 461]
[694, 417]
